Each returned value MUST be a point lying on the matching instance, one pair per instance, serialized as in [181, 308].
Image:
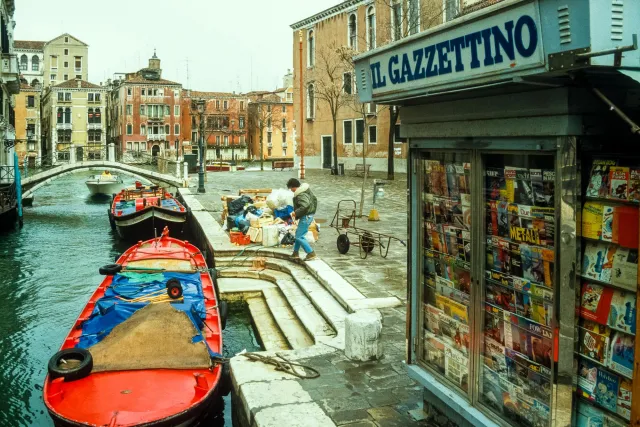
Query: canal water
[48, 271]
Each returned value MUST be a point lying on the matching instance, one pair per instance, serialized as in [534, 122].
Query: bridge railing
[8, 195]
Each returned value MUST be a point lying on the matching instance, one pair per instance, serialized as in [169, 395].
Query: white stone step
[287, 320]
[270, 335]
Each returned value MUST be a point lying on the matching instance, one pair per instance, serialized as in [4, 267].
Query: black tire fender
[110, 269]
[174, 290]
[80, 371]
[223, 309]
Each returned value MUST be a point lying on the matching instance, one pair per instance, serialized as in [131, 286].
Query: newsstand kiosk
[524, 177]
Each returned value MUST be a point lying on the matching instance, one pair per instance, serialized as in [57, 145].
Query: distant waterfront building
[31, 61]
[65, 58]
[28, 125]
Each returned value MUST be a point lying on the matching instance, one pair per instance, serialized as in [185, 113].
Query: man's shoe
[311, 256]
[295, 256]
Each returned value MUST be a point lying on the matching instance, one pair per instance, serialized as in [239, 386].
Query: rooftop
[211, 95]
[140, 79]
[73, 84]
[28, 44]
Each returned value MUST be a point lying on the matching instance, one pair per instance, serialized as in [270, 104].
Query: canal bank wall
[346, 390]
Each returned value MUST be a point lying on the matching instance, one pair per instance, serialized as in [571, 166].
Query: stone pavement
[351, 393]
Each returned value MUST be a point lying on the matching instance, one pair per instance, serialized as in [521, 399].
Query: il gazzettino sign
[504, 42]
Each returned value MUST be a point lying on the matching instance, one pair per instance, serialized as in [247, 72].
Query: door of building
[155, 150]
[79, 154]
[326, 152]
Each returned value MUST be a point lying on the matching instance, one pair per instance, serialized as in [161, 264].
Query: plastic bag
[288, 239]
[237, 206]
[284, 213]
[309, 237]
[279, 198]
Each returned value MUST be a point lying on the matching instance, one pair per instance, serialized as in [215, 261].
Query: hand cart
[344, 221]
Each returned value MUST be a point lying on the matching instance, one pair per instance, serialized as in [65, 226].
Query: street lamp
[200, 104]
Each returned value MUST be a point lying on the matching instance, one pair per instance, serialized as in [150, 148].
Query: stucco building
[9, 82]
[73, 120]
[329, 40]
[65, 58]
[27, 112]
[271, 116]
[145, 111]
[31, 61]
[225, 121]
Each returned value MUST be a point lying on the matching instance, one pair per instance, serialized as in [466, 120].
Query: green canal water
[48, 271]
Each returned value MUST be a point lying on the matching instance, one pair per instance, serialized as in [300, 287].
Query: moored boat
[106, 183]
[146, 348]
[139, 213]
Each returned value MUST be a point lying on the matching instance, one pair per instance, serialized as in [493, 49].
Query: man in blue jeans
[304, 207]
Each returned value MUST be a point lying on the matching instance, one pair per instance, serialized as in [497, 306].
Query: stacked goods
[607, 311]
[447, 268]
[519, 292]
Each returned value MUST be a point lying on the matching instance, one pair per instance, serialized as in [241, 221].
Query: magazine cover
[433, 319]
[538, 187]
[595, 303]
[495, 356]
[634, 185]
[434, 351]
[606, 391]
[541, 350]
[607, 223]
[456, 367]
[592, 220]
[622, 315]
[587, 378]
[495, 186]
[492, 218]
[503, 220]
[589, 416]
[619, 178]
[491, 390]
[466, 210]
[549, 186]
[523, 190]
[452, 179]
[510, 184]
[599, 179]
[625, 269]
[532, 264]
[594, 260]
[500, 296]
[541, 312]
[593, 345]
[621, 354]
[625, 226]
[624, 399]
[464, 174]
[438, 180]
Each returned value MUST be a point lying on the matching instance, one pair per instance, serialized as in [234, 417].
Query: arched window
[59, 115]
[167, 129]
[90, 115]
[24, 63]
[34, 82]
[67, 115]
[371, 28]
[311, 101]
[143, 130]
[311, 48]
[96, 116]
[35, 63]
[352, 31]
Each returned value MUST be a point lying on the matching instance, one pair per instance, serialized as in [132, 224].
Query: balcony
[155, 119]
[11, 72]
[157, 137]
[284, 145]
[284, 129]
[269, 145]
[94, 126]
[269, 129]
[64, 126]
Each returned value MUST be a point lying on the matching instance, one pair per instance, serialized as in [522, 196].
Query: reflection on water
[48, 271]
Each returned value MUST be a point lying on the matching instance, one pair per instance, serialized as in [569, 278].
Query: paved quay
[377, 393]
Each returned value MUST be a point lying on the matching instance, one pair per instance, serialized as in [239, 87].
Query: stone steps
[270, 335]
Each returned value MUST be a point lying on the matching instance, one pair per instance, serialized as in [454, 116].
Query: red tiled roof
[73, 84]
[26, 87]
[211, 95]
[28, 44]
[140, 79]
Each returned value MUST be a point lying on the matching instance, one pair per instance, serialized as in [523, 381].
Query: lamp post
[201, 104]
[301, 111]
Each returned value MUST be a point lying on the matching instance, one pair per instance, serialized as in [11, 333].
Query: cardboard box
[255, 234]
[262, 221]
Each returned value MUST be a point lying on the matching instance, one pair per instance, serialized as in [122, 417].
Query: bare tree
[263, 115]
[326, 78]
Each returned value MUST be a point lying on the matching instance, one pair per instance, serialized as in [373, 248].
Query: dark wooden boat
[145, 350]
[140, 213]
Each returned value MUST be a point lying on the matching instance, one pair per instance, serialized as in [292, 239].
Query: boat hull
[107, 188]
[149, 223]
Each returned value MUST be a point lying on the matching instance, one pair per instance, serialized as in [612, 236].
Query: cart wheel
[343, 243]
[367, 242]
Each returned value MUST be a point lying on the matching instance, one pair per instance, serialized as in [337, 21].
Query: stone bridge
[34, 182]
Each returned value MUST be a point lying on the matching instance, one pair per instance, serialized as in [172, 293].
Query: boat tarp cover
[115, 307]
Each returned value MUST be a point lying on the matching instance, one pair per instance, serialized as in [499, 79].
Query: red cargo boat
[146, 348]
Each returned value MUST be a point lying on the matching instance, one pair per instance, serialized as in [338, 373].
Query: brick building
[145, 112]
[329, 39]
[225, 121]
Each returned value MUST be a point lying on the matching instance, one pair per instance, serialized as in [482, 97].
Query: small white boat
[105, 184]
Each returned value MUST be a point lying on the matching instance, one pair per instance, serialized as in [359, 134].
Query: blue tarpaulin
[111, 311]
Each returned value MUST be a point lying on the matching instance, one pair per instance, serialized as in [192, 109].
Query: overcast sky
[224, 43]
